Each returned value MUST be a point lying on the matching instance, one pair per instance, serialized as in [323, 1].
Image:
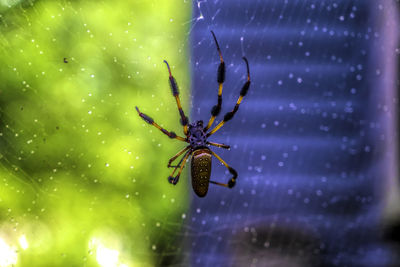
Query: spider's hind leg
[176, 156]
[232, 181]
[218, 145]
[174, 180]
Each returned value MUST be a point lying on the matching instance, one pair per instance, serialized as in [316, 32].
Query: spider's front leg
[228, 116]
[220, 79]
[175, 93]
[150, 121]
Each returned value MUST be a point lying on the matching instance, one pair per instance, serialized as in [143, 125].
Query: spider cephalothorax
[197, 135]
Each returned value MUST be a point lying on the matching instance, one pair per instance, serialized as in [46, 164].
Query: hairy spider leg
[232, 181]
[149, 120]
[229, 115]
[174, 180]
[218, 145]
[175, 93]
[220, 79]
[179, 164]
[176, 156]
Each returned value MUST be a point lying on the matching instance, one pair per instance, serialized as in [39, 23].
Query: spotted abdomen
[201, 171]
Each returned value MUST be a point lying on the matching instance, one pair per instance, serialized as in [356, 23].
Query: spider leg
[175, 93]
[218, 145]
[176, 156]
[174, 180]
[230, 114]
[220, 79]
[178, 166]
[149, 120]
[232, 181]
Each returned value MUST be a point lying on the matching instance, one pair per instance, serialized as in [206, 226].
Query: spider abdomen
[201, 171]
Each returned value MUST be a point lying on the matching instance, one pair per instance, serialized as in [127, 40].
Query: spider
[197, 135]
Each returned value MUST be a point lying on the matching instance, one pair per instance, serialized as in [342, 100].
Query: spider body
[197, 135]
[201, 170]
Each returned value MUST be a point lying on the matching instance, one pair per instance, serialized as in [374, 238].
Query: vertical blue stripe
[303, 140]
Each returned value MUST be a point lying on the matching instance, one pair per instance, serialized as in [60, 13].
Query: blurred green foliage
[83, 180]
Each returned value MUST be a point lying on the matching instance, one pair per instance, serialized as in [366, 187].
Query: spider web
[313, 141]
